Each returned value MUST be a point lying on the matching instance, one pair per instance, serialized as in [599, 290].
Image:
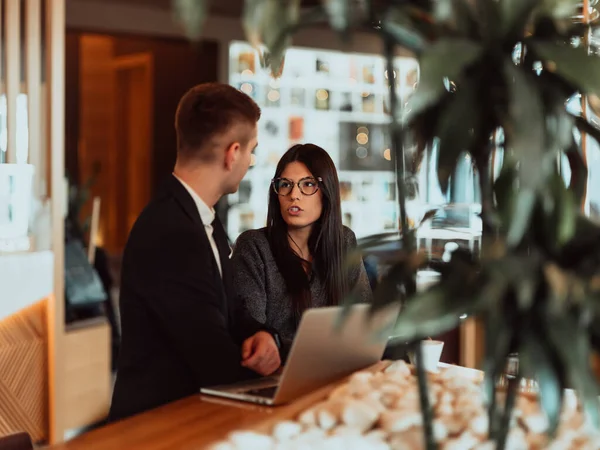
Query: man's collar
[207, 214]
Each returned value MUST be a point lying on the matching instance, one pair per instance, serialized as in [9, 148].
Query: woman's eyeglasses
[308, 185]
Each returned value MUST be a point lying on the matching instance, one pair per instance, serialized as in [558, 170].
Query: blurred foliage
[486, 67]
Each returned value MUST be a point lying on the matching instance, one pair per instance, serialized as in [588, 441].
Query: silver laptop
[320, 354]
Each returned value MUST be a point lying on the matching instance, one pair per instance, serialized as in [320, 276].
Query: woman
[297, 261]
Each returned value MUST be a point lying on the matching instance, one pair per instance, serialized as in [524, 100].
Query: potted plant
[488, 70]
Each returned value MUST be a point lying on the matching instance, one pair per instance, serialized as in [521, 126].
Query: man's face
[241, 162]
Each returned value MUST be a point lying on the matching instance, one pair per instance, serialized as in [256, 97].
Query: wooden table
[193, 423]
[189, 424]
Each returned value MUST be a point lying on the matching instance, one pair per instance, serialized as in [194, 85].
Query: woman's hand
[260, 353]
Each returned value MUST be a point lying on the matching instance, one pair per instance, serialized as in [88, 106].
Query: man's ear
[231, 154]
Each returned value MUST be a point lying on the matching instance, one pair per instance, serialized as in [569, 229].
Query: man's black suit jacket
[182, 327]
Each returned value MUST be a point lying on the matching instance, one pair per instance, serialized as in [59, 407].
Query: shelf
[293, 113]
[310, 84]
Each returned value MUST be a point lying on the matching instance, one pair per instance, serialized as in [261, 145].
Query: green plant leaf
[580, 255]
[429, 215]
[403, 35]
[351, 299]
[559, 125]
[535, 360]
[489, 18]
[374, 240]
[191, 14]
[566, 211]
[585, 127]
[515, 15]
[574, 65]
[579, 170]
[498, 334]
[464, 19]
[527, 125]
[555, 215]
[572, 346]
[520, 217]
[501, 435]
[339, 13]
[559, 9]
[426, 412]
[504, 191]
[391, 288]
[440, 308]
[444, 59]
[526, 138]
[456, 132]
[526, 290]
[427, 314]
[443, 10]
[271, 22]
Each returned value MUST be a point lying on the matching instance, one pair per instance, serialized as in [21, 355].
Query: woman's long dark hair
[326, 241]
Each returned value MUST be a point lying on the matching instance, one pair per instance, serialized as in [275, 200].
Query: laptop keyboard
[267, 392]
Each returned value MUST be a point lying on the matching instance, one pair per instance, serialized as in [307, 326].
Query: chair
[17, 441]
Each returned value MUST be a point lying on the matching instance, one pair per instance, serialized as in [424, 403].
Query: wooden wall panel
[87, 376]
[23, 373]
[12, 21]
[96, 126]
[55, 129]
[33, 57]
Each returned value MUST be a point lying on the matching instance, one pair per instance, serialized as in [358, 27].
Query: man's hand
[260, 354]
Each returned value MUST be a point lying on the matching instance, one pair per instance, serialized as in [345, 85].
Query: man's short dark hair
[207, 111]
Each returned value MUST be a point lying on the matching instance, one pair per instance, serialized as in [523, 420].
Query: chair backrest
[17, 441]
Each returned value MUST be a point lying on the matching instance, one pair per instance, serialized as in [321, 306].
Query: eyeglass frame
[318, 179]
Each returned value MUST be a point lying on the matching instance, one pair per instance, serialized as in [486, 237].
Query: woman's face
[300, 210]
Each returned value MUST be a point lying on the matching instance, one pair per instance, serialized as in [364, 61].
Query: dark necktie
[222, 242]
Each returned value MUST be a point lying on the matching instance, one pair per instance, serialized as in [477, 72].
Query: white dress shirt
[207, 214]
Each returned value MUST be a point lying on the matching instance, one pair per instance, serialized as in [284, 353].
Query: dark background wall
[72, 105]
[178, 65]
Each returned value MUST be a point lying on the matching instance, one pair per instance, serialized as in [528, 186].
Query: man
[182, 327]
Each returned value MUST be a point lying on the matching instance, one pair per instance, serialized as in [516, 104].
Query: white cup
[432, 352]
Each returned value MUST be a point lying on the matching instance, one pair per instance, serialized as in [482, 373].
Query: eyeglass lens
[308, 186]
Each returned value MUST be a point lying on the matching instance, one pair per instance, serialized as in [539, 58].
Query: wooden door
[133, 138]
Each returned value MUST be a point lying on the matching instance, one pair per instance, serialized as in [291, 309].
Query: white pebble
[222, 446]
[312, 436]
[335, 443]
[376, 435]
[440, 430]
[360, 415]
[345, 430]
[480, 425]
[249, 440]
[516, 439]
[398, 367]
[536, 423]
[286, 430]
[359, 385]
[398, 421]
[308, 418]
[340, 392]
[463, 442]
[328, 414]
